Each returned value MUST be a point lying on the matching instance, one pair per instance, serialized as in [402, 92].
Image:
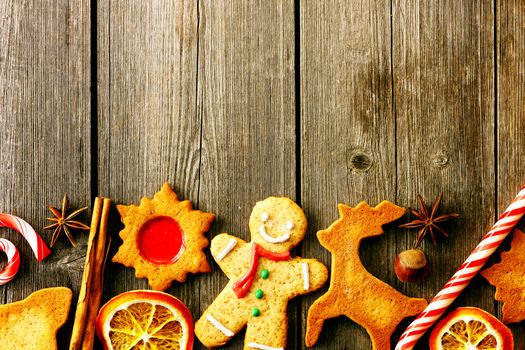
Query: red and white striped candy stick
[13, 261]
[35, 241]
[464, 274]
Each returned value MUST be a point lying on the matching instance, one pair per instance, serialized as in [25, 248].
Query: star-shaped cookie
[163, 239]
[508, 276]
[33, 323]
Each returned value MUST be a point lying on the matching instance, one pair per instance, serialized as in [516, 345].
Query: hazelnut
[412, 265]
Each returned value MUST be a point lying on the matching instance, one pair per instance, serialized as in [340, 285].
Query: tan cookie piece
[508, 276]
[163, 239]
[32, 323]
[276, 226]
[353, 291]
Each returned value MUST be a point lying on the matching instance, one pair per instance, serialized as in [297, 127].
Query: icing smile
[270, 239]
[283, 238]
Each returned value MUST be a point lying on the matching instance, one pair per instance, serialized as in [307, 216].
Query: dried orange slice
[145, 320]
[470, 328]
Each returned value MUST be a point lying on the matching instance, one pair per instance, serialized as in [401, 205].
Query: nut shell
[412, 266]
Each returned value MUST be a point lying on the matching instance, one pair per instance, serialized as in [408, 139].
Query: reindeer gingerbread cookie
[263, 278]
[353, 291]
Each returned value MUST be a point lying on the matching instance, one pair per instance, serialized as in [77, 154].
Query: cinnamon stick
[96, 279]
[83, 298]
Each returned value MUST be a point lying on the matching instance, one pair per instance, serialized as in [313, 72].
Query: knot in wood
[439, 160]
[360, 162]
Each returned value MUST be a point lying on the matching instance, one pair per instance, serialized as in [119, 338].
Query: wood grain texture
[45, 132]
[347, 134]
[510, 50]
[444, 102]
[396, 97]
[247, 105]
[148, 127]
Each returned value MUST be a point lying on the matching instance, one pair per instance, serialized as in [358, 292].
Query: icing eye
[290, 225]
[265, 217]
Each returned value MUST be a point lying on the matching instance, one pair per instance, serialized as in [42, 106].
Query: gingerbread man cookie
[263, 278]
[353, 291]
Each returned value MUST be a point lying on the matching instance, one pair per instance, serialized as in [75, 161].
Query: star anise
[64, 222]
[428, 221]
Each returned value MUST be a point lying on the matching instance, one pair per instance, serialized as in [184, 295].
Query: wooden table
[232, 101]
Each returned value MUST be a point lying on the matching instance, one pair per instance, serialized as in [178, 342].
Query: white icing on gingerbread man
[263, 278]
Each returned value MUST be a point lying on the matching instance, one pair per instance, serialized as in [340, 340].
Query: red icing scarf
[243, 284]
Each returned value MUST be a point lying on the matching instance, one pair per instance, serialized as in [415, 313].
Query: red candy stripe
[35, 241]
[13, 261]
[464, 274]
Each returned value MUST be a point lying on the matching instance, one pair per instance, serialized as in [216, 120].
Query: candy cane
[13, 261]
[35, 241]
[464, 274]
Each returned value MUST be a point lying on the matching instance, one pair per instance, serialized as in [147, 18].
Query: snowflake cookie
[163, 239]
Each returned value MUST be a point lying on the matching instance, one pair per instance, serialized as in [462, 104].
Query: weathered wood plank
[148, 127]
[247, 104]
[45, 133]
[510, 51]
[347, 134]
[444, 103]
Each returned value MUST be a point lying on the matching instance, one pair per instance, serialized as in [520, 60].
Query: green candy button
[259, 294]
[264, 274]
[256, 312]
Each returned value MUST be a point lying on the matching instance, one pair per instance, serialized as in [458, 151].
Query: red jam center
[161, 240]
